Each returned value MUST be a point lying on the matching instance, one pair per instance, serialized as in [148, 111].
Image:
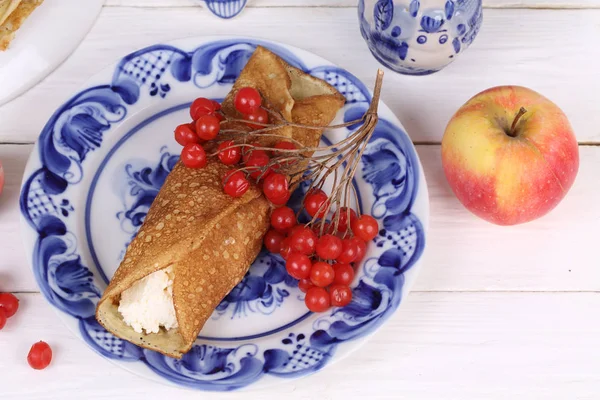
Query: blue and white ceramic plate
[102, 158]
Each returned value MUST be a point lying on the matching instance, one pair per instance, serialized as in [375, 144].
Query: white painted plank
[15, 273]
[556, 253]
[554, 52]
[568, 4]
[467, 346]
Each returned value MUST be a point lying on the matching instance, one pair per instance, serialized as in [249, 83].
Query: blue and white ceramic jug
[418, 37]
[226, 9]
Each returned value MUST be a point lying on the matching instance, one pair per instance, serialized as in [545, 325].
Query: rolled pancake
[14, 16]
[6, 8]
[208, 238]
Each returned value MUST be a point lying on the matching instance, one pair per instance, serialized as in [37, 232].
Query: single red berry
[304, 285]
[9, 303]
[275, 187]
[184, 135]
[341, 295]
[235, 183]
[304, 240]
[229, 154]
[286, 248]
[40, 355]
[280, 201]
[343, 223]
[298, 265]
[203, 106]
[322, 274]
[259, 115]
[247, 100]
[255, 161]
[349, 252]
[344, 274]
[3, 318]
[329, 247]
[361, 248]
[208, 127]
[273, 240]
[365, 227]
[315, 203]
[283, 219]
[193, 156]
[317, 299]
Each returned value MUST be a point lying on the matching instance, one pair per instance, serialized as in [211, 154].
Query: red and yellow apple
[510, 155]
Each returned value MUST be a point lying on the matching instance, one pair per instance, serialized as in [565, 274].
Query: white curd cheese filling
[148, 304]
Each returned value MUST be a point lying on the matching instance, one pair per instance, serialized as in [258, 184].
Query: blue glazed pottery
[101, 160]
[226, 8]
[418, 37]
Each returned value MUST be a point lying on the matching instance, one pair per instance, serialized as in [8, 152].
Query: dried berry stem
[339, 160]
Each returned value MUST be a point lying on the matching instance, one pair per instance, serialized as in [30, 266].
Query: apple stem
[513, 127]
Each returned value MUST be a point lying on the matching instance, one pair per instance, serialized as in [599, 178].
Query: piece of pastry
[14, 15]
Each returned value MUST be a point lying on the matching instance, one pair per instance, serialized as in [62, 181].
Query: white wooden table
[496, 311]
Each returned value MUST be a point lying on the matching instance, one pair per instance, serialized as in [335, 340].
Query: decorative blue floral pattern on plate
[77, 145]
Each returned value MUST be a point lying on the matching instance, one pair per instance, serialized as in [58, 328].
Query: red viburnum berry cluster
[322, 260]
[40, 354]
[323, 253]
[206, 125]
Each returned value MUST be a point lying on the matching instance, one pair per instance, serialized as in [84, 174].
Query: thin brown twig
[339, 160]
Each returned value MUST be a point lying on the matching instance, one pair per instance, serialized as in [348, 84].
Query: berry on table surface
[40, 355]
[3, 318]
[9, 303]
